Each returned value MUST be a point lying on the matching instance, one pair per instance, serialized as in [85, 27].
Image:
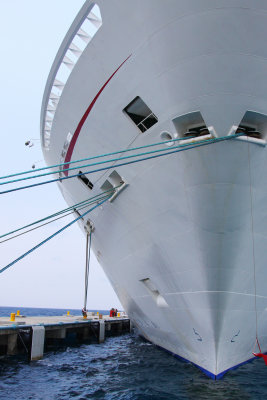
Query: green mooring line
[94, 157]
[171, 151]
[86, 202]
[112, 160]
[52, 220]
[51, 237]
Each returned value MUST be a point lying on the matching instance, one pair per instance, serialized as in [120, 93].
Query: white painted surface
[38, 336]
[184, 221]
[101, 338]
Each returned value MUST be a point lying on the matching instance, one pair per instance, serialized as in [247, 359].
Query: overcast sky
[52, 276]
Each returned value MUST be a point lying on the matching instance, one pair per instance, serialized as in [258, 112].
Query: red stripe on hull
[84, 117]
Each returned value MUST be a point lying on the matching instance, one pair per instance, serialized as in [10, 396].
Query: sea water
[123, 367]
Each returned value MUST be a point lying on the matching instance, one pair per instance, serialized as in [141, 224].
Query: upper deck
[81, 32]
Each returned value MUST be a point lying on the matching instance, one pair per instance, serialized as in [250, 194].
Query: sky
[53, 275]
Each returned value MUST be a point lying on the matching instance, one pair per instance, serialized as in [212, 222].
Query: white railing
[81, 32]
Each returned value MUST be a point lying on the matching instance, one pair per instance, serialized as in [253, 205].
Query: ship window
[140, 114]
[85, 180]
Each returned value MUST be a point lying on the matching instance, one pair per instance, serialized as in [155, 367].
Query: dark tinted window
[140, 114]
[85, 180]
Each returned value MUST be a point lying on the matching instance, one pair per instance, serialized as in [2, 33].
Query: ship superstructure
[183, 244]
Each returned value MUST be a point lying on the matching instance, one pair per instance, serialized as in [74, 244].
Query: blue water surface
[124, 367]
[6, 311]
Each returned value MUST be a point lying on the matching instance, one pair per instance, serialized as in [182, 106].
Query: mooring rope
[50, 222]
[51, 236]
[112, 160]
[96, 157]
[87, 265]
[177, 150]
[253, 246]
[86, 202]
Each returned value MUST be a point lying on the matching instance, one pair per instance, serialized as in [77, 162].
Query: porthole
[166, 136]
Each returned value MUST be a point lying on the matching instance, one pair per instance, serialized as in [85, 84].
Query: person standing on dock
[84, 312]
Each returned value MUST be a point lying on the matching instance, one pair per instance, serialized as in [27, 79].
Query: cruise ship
[184, 244]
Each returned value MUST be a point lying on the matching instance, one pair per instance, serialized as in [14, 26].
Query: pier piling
[101, 337]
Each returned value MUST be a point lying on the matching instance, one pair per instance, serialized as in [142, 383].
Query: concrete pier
[32, 336]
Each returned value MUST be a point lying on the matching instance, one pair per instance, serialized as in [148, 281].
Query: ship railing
[81, 32]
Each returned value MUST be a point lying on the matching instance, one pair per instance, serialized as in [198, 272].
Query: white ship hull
[184, 244]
